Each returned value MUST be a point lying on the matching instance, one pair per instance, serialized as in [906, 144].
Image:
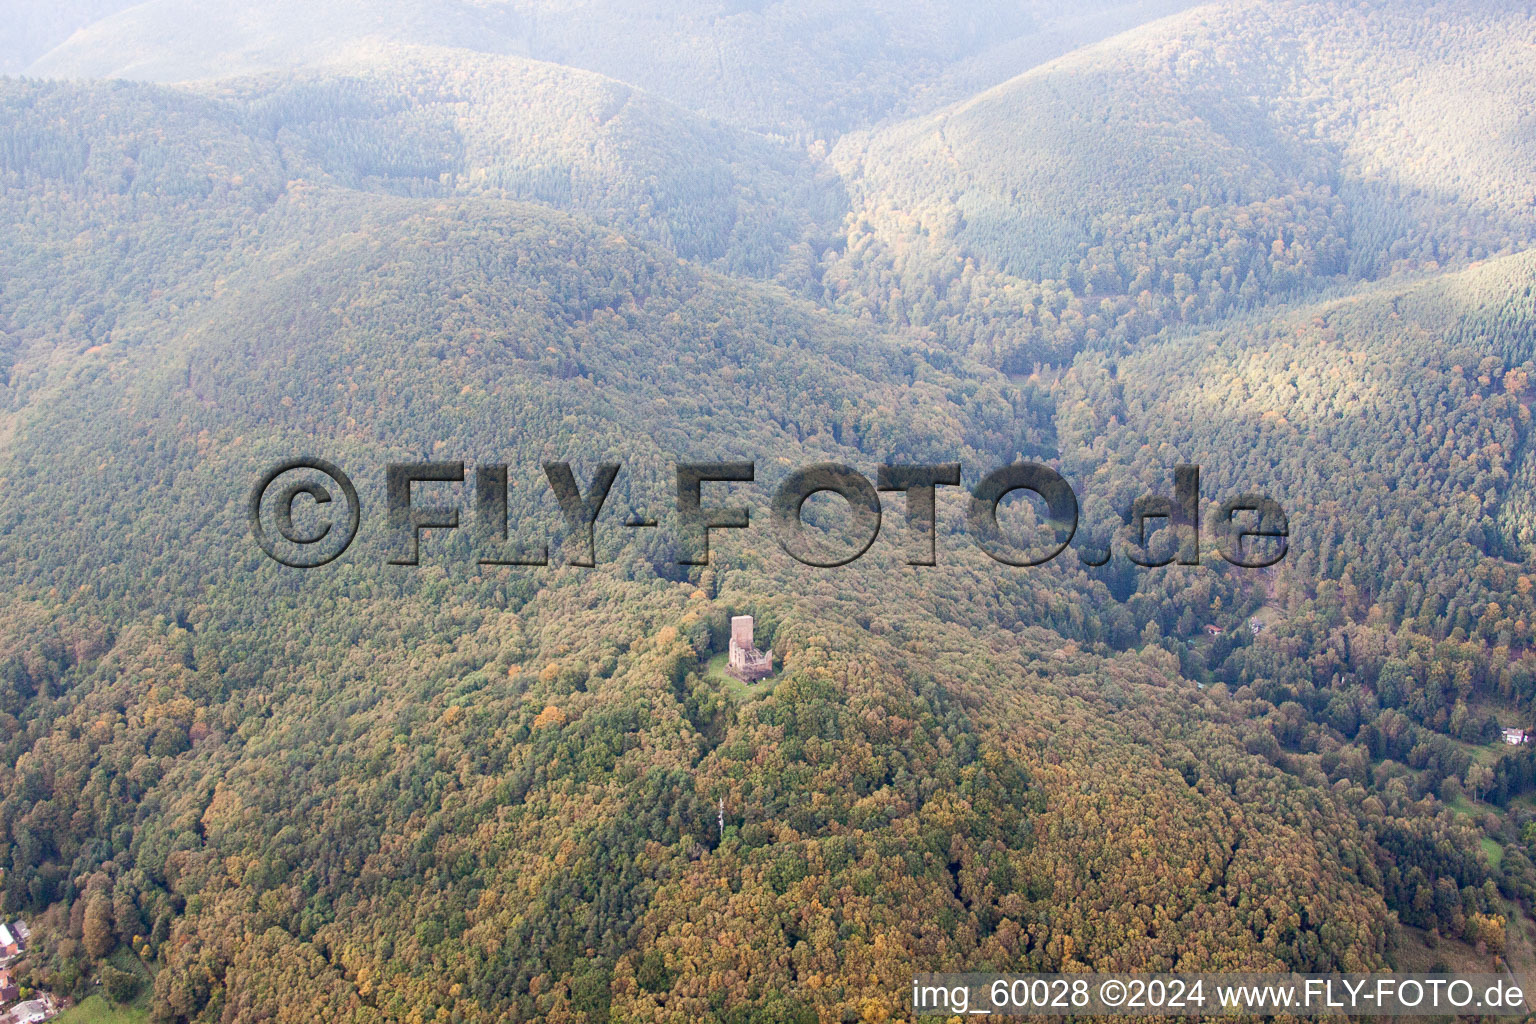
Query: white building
[29, 1012]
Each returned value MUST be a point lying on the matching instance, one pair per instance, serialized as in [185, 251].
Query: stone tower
[745, 661]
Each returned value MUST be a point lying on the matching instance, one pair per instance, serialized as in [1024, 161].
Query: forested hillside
[1259, 238]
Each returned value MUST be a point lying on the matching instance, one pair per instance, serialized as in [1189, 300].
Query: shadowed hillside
[444, 122]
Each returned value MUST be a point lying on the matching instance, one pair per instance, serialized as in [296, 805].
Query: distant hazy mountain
[174, 40]
[788, 66]
[1216, 159]
[33, 28]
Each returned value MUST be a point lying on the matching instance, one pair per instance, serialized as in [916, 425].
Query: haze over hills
[781, 67]
[1254, 237]
[34, 29]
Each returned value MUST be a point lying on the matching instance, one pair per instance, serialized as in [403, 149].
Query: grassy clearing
[1267, 614]
[714, 672]
[97, 1010]
[1418, 953]
[1493, 851]
[1482, 753]
[1466, 806]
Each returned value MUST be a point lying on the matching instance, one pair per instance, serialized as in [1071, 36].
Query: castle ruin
[746, 662]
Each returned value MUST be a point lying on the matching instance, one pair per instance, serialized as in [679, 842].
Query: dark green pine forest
[1293, 243]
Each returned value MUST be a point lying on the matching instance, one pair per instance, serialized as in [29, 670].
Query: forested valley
[1293, 243]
